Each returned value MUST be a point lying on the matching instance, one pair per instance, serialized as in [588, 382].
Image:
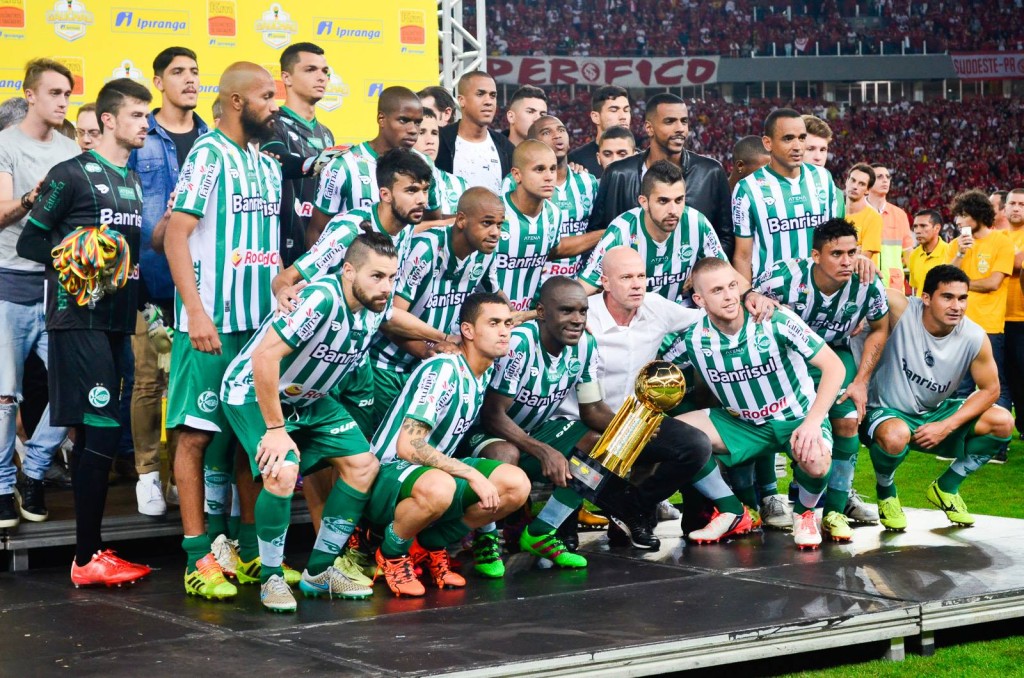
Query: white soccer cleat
[805, 530]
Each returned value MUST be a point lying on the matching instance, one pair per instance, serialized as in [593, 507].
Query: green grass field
[994, 490]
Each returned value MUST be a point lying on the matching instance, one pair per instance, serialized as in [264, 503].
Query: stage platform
[627, 614]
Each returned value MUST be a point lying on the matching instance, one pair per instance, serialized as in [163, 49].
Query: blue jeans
[967, 386]
[22, 331]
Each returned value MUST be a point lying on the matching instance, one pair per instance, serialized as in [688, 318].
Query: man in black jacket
[609, 108]
[470, 149]
[707, 186]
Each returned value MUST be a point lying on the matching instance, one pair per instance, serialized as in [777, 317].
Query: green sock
[764, 475]
[561, 505]
[810, 491]
[216, 525]
[840, 480]
[248, 544]
[710, 483]
[977, 451]
[273, 513]
[393, 545]
[342, 511]
[885, 469]
[743, 483]
[233, 527]
[195, 549]
[440, 535]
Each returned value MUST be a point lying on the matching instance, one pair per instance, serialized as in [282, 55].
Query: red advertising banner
[625, 71]
[997, 65]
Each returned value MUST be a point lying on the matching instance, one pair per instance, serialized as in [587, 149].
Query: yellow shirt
[869, 230]
[1014, 298]
[921, 262]
[988, 255]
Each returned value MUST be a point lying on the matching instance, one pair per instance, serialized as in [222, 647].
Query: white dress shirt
[624, 349]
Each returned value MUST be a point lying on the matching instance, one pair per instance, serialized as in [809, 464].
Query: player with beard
[276, 397]
[305, 73]
[87, 341]
[349, 181]
[574, 194]
[222, 244]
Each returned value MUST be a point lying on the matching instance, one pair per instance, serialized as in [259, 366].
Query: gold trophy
[659, 387]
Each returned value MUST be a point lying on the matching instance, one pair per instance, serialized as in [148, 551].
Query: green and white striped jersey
[780, 214]
[523, 250]
[327, 254]
[235, 247]
[449, 189]
[537, 381]
[668, 263]
[435, 283]
[350, 182]
[760, 373]
[444, 394]
[328, 342]
[833, 317]
[575, 198]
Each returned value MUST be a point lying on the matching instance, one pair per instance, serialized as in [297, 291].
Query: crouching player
[760, 374]
[421, 492]
[910, 406]
[275, 392]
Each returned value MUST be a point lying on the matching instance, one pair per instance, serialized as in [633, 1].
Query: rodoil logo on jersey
[277, 27]
[766, 412]
[242, 258]
[150, 21]
[69, 19]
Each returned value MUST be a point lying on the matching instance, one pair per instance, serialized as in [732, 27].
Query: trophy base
[594, 482]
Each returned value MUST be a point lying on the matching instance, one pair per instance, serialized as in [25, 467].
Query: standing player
[819, 136]
[87, 341]
[670, 236]
[350, 181]
[305, 73]
[748, 156]
[444, 266]
[609, 107]
[826, 293]
[528, 103]
[574, 193]
[776, 209]
[932, 346]
[423, 493]
[222, 245]
[760, 372]
[615, 143]
[276, 397]
[449, 187]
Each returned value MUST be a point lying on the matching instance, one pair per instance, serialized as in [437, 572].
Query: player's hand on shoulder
[865, 269]
[760, 306]
[288, 297]
[316, 164]
[578, 168]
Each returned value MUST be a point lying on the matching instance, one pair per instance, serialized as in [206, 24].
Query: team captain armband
[589, 392]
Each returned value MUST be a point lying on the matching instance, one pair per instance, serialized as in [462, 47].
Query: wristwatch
[25, 202]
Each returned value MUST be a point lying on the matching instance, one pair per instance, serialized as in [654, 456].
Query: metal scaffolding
[460, 50]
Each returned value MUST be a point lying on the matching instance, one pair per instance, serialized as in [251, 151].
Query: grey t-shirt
[27, 161]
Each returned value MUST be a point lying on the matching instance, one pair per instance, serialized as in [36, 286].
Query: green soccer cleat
[249, 572]
[952, 503]
[551, 547]
[487, 555]
[837, 526]
[891, 515]
[207, 580]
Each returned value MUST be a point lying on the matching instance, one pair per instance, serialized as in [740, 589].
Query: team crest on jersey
[929, 359]
[587, 203]
[849, 308]
[573, 366]
[822, 194]
[92, 167]
[207, 401]
[99, 396]
[686, 252]
[762, 342]
[477, 271]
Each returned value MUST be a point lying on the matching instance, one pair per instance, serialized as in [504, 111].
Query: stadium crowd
[415, 329]
[743, 28]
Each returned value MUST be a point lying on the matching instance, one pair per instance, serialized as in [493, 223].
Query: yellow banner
[369, 47]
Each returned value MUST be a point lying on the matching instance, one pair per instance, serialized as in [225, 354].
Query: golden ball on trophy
[660, 385]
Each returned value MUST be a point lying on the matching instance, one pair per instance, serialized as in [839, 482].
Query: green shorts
[355, 392]
[387, 384]
[952, 446]
[193, 388]
[322, 431]
[562, 434]
[394, 483]
[745, 441]
[846, 409]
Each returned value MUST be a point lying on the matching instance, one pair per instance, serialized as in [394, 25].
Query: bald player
[228, 192]
[531, 234]
[748, 156]
[350, 181]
